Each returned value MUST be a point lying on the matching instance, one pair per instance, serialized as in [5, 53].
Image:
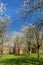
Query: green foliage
[21, 60]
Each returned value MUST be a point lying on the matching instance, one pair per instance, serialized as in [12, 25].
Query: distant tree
[33, 32]
[17, 42]
[3, 28]
[28, 35]
[37, 29]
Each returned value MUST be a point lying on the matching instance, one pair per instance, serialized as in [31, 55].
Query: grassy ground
[21, 60]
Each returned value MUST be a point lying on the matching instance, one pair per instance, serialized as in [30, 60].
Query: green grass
[21, 60]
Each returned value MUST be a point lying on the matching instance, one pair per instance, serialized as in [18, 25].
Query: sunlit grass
[21, 59]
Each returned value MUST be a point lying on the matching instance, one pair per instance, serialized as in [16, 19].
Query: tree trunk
[18, 50]
[29, 51]
[38, 53]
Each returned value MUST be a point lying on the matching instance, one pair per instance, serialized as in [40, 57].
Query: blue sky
[16, 19]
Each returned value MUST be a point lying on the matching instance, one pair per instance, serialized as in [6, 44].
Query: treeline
[30, 37]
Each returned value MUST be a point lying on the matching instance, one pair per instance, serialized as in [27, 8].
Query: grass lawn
[21, 60]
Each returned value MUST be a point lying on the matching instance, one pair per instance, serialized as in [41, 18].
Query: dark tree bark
[38, 51]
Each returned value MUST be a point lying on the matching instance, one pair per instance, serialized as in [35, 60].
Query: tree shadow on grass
[22, 61]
